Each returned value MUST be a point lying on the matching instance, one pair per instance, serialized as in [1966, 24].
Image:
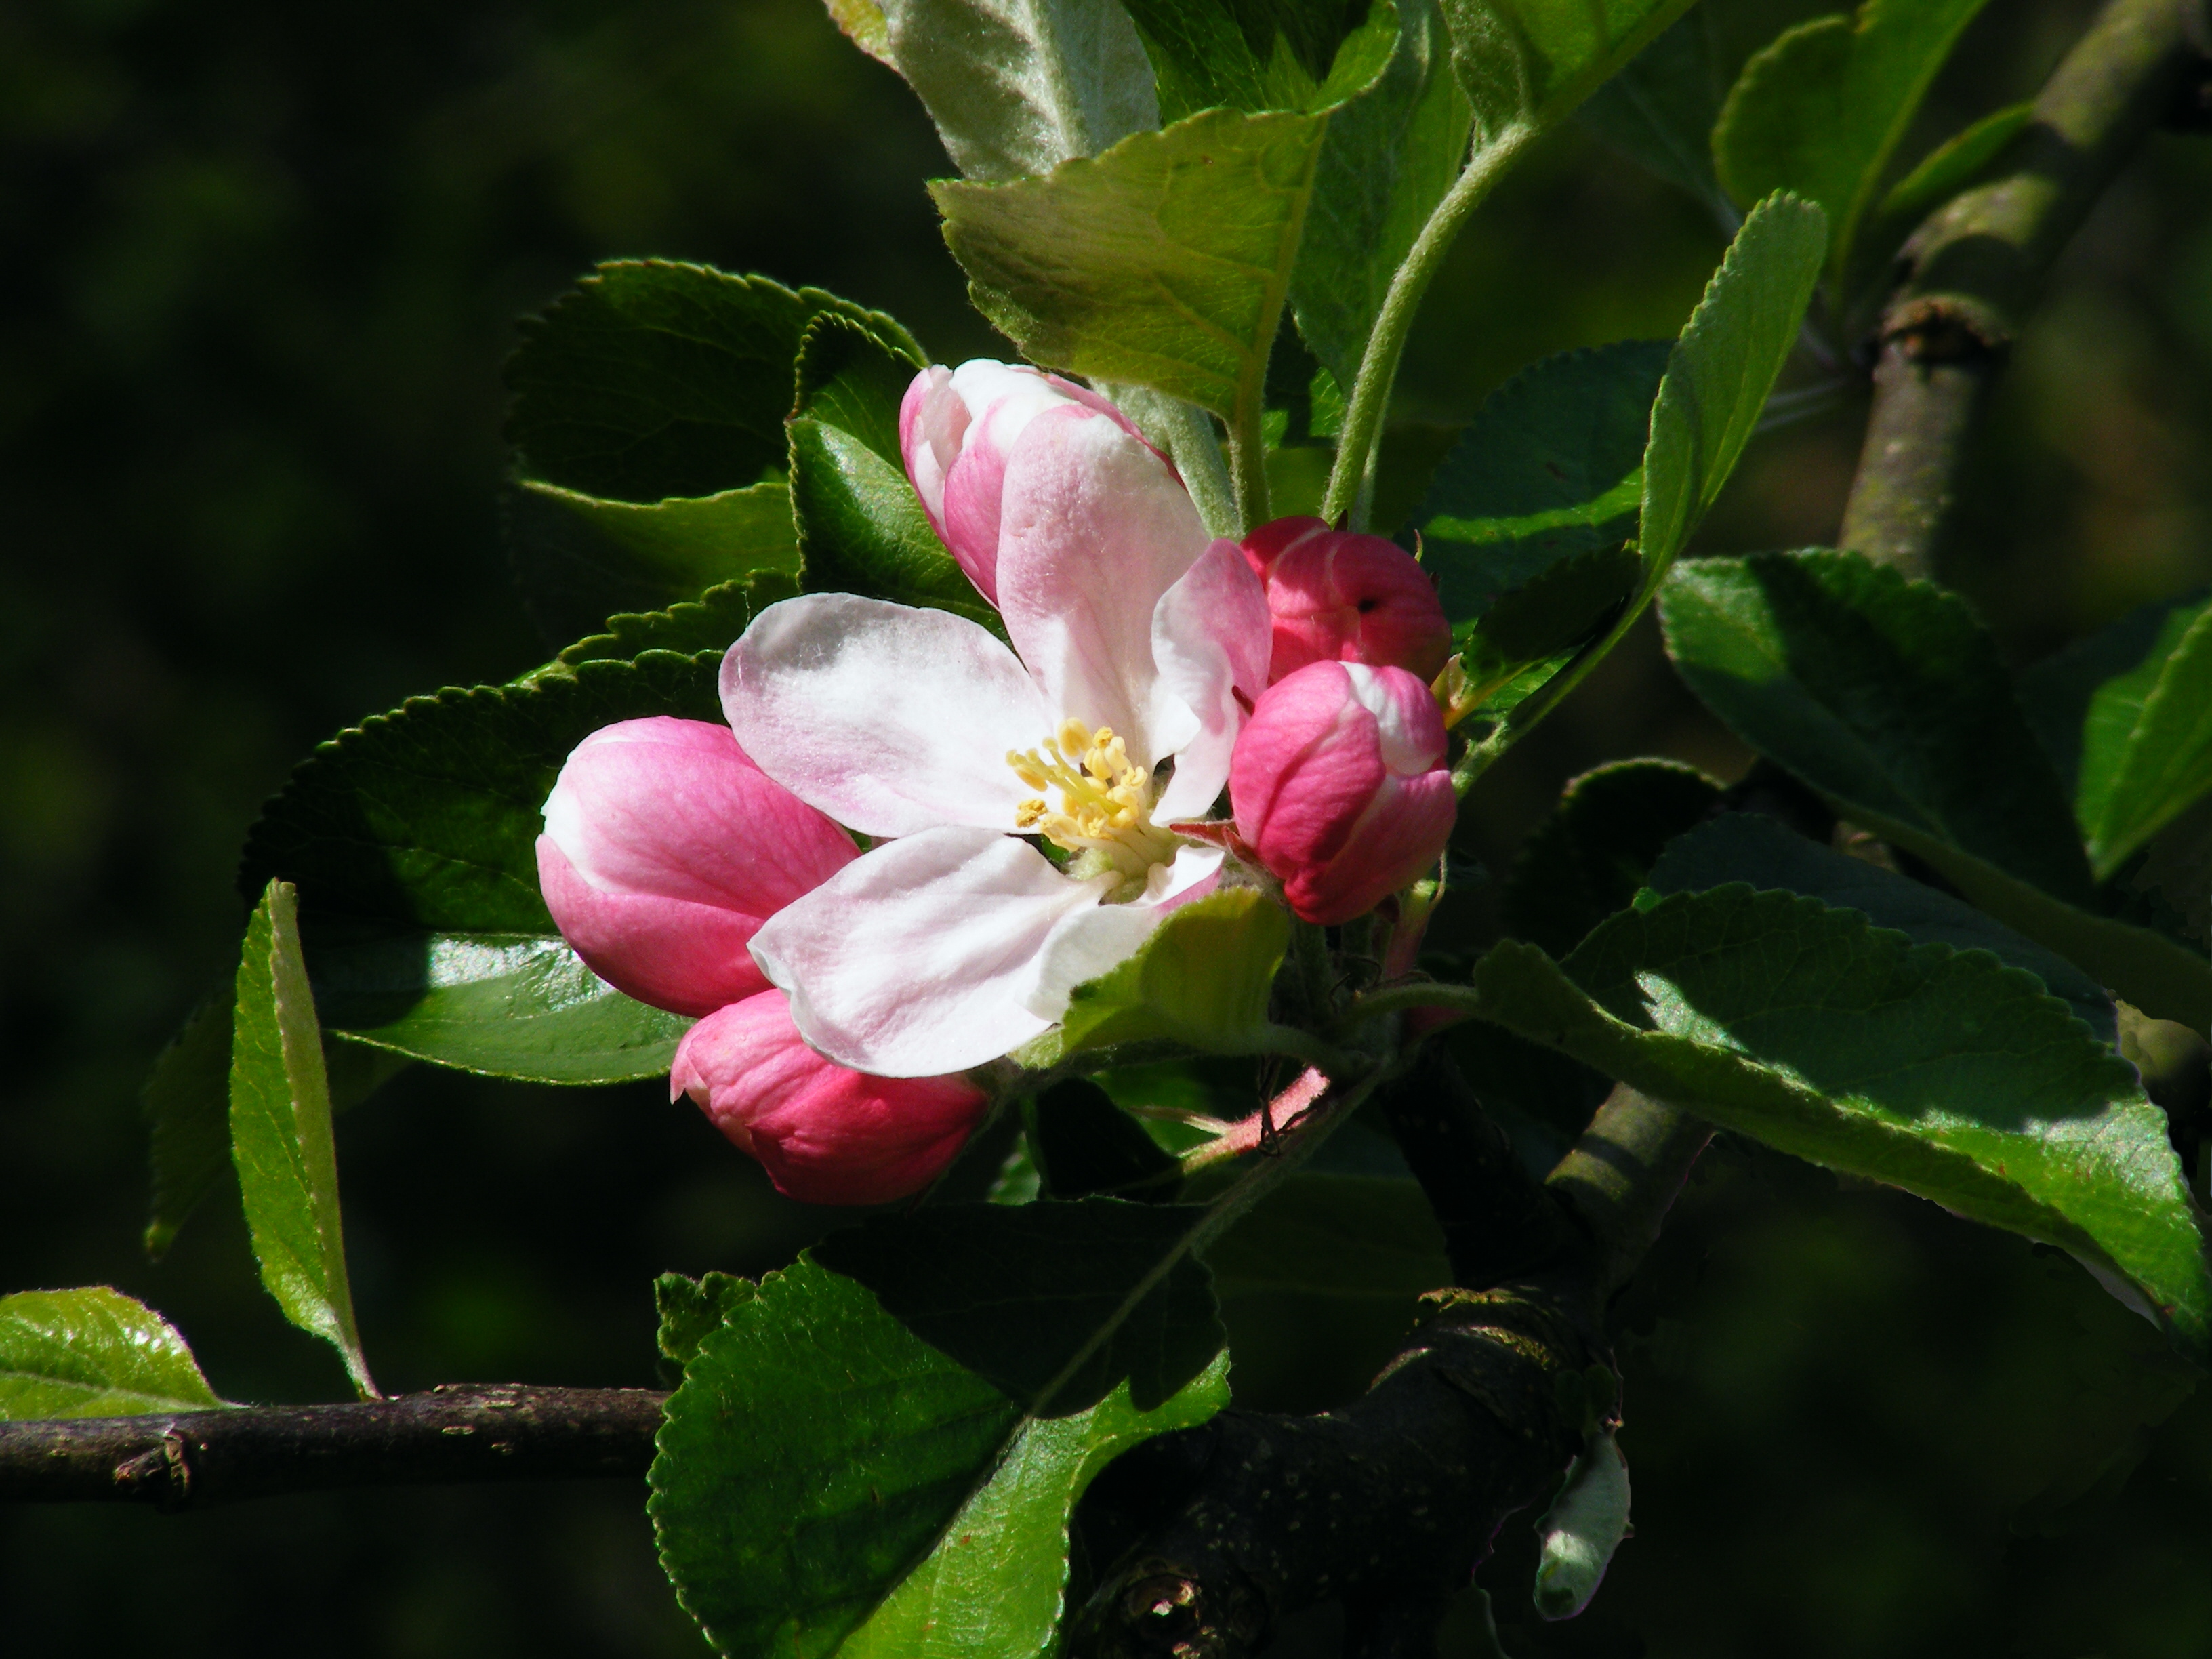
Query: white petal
[1088, 943]
[891, 719]
[1210, 636]
[1093, 527]
[913, 960]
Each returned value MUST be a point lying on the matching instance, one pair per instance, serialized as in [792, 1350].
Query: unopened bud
[1337, 596]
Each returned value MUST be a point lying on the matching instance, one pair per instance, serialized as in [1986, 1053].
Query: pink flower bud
[1340, 786]
[665, 850]
[1337, 597]
[956, 429]
[826, 1135]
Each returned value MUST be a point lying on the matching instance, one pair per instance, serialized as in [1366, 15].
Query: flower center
[1105, 798]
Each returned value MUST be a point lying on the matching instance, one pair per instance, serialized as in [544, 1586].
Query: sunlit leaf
[1888, 698]
[1943, 1072]
[92, 1352]
[280, 1134]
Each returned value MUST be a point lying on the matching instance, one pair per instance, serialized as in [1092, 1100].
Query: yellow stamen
[1105, 798]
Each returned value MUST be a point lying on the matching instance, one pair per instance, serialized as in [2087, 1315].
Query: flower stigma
[1105, 803]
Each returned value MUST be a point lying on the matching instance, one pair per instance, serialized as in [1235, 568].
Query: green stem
[1248, 463]
[1352, 481]
[1398, 999]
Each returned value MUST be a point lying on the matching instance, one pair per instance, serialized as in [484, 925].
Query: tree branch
[1970, 272]
[1215, 1533]
[457, 1433]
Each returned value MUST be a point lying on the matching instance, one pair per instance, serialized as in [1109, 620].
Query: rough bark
[193, 1459]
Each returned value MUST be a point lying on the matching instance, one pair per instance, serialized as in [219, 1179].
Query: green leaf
[501, 1004]
[1887, 697]
[1942, 1073]
[1551, 466]
[187, 1105]
[1741, 847]
[1165, 261]
[1203, 978]
[1722, 369]
[1392, 151]
[92, 1352]
[652, 380]
[1821, 110]
[280, 1134]
[692, 1309]
[710, 623]
[1661, 107]
[1300, 56]
[848, 378]
[1322, 1281]
[1530, 62]
[1954, 164]
[1017, 87]
[580, 560]
[1588, 858]
[862, 529]
[2126, 716]
[1082, 1143]
[412, 840]
[879, 1452]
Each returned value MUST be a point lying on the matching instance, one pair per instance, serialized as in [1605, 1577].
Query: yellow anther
[1105, 798]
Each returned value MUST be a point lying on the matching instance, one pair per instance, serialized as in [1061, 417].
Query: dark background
[259, 265]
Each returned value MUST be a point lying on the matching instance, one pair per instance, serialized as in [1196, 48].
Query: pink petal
[919, 958]
[890, 718]
[826, 1135]
[1094, 528]
[1210, 638]
[665, 848]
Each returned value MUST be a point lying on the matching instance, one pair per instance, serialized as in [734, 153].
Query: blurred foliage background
[259, 265]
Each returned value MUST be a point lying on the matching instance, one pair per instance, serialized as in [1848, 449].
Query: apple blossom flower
[665, 850]
[956, 938]
[1336, 596]
[826, 1135]
[956, 429]
[1340, 787]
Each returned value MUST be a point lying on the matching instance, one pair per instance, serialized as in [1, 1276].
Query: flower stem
[1397, 998]
[1248, 464]
[1352, 481]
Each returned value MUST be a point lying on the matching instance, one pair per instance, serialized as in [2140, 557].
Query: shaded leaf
[650, 379]
[187, 1105]
[1393, 148]
[579, 560]
[1533, 61]
[710, 623]
[861, 1460]
[1886, 697]
[1082, 1143]
[1660, 108]
[1164, 261]
[1722, 368]
[1742, 846]
[848, 378]
[412, 840]
[1017, 87]
[1300, 55]
[691, 1309]
[1821, 110]
[1203, 978]
[1587, 859]
[92, 1352]
[1942, 1073]
[2126, 716]
[862, 529]
[1321, 1283]
[1551, 466]
[280, 1130]
[1954, 164]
